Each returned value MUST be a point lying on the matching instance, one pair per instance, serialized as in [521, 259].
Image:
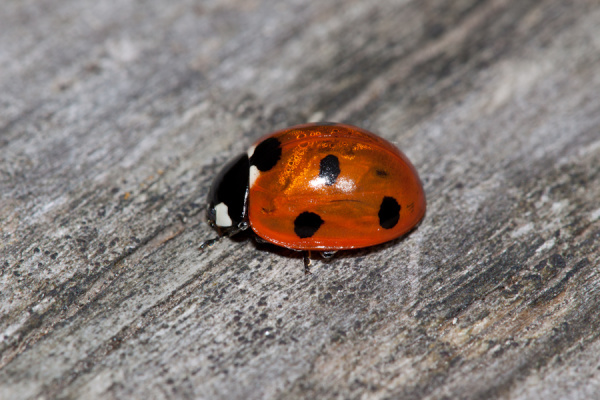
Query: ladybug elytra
[318, 187]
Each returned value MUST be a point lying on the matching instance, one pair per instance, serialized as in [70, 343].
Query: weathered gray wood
[114, 116]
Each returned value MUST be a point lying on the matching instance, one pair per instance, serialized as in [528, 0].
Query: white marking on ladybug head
[223, 219]
[254, 173]
[251, 151]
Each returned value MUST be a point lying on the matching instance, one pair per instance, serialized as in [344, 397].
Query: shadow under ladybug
[317, 187]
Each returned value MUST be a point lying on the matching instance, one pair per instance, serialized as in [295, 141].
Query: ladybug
[318, 187]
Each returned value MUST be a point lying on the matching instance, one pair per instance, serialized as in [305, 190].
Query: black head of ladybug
[227, 208]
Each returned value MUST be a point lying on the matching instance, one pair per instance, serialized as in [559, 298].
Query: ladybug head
[227, 209]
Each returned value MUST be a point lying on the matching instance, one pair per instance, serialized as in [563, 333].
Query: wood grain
[115, 116]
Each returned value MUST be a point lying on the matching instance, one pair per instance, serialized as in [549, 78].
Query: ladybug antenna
[242, 226]
[208, 243]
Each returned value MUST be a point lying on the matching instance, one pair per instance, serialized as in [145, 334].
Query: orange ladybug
[323, 187]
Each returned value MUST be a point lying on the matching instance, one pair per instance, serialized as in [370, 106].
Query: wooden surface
[115, 116]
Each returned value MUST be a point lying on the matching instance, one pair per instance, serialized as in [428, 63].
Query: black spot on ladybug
[307, 224]
[329, 168]
[266, 154]
[389, 213]
[381, 172]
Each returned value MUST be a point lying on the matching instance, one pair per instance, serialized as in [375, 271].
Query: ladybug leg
[306, 257]
[259, 240]
[328, 254]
